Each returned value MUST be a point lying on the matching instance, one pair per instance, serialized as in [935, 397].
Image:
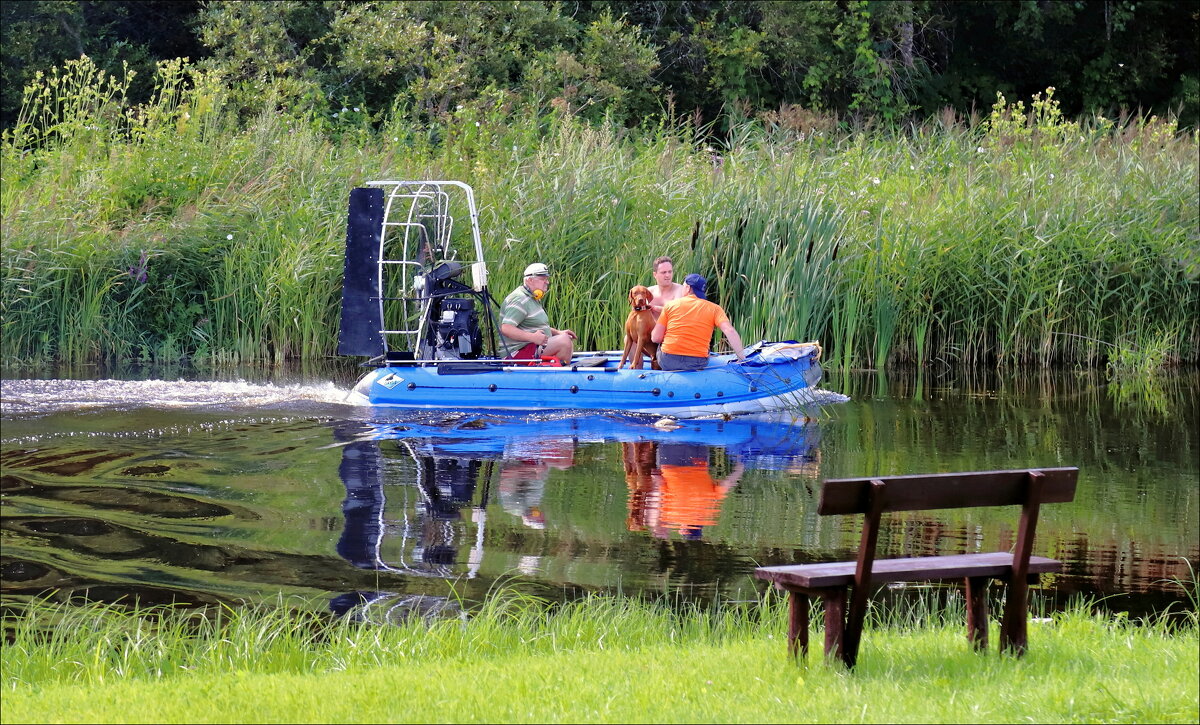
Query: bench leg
[835, 622]
[1013, 626]
[798, 624]
[977, 612]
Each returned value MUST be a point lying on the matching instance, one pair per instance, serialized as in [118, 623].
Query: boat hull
[768, 381]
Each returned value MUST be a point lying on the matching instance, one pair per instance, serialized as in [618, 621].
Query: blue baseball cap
[697, 283]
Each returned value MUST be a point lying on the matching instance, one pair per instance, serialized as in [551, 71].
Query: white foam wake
[24, 397]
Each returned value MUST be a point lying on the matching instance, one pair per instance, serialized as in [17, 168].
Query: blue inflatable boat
[427, 331]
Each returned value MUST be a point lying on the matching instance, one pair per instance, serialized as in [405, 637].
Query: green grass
[176, 230]
[600, 659]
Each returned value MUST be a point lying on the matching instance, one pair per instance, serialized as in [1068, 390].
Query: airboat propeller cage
[399, 242]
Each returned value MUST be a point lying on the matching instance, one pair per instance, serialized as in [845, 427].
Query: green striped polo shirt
[522, 311]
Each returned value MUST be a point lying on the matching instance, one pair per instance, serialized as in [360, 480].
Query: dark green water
[204, 490]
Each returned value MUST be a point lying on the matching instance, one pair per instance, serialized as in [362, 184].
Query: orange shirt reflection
[679, 493]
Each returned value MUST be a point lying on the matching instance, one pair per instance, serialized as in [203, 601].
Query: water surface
[195, 490]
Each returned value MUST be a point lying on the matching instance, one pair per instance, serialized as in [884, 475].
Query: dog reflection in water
[671, 488]
[643, 479]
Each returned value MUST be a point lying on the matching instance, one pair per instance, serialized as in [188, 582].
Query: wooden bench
[873, 497]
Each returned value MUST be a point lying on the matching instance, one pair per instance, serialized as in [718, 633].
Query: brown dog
[637, 331]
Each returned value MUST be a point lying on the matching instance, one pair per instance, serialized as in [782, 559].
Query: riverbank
[598, 660]
[180, 230]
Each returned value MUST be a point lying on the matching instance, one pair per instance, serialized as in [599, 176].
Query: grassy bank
[176, 229]
[602, 659]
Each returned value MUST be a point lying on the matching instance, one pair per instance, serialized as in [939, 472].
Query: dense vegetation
[175, 228]
[890, 59]
[517, 660]
[805, 155]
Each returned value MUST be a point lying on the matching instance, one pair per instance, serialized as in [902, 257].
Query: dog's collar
[641, 309]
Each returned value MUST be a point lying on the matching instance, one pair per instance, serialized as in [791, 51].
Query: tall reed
[173, 229]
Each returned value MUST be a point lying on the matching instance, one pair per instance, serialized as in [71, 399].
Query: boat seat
[590, 362]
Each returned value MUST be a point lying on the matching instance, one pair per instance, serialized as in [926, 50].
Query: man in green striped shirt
[525, 331]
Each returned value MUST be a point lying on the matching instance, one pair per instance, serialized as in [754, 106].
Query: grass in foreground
[600, 660]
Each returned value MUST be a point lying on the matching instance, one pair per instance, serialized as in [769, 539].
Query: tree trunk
[906, 34]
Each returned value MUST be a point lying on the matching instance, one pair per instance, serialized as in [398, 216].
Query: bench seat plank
[921, 568]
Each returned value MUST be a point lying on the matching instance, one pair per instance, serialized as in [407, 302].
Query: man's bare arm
[735, 340]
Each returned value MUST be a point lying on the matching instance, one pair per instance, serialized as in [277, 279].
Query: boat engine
[454, 330]
[451, 326]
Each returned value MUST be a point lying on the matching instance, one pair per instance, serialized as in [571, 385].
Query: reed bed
[520, 659]
[175, 230]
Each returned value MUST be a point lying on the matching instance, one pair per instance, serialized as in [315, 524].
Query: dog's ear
[631, 298]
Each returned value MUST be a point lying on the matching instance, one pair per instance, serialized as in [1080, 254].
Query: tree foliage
[37, 35]
[890, 60]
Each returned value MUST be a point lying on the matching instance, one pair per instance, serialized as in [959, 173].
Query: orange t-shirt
[690, 497]
[689, 323]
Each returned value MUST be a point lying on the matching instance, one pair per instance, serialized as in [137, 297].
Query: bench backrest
[947, 490]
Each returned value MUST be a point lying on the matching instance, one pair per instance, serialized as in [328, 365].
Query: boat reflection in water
[418, 494]
[415, 536]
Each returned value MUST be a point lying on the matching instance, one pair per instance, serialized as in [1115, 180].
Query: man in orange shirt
[685, 329]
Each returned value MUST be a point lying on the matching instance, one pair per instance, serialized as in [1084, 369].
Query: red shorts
[528, 352]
